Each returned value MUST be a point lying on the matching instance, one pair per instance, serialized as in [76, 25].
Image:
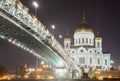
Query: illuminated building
[86, 49]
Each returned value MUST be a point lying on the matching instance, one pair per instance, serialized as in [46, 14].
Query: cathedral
[86, 49]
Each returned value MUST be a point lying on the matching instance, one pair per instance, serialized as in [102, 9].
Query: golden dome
[84, 27]
[98, 36]
[67, 39]
[83, 30]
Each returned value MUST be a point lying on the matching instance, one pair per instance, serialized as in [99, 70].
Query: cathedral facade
[86, 49]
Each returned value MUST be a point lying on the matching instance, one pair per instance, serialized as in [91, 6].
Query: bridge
[24, 30]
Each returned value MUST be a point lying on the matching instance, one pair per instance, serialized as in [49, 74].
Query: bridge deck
[9, 28]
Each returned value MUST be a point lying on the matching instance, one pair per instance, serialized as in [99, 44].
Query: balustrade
[21, 13]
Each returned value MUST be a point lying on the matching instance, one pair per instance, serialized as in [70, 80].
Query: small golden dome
[84, 27]
[98, 36]
[67, 39]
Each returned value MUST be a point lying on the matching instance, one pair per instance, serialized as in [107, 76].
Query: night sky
[101, 15]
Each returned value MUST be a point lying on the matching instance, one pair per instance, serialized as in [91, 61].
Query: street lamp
[53, 27]
[60, 36]
[35, 4]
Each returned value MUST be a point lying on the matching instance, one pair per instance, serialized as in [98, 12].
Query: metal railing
[18, 12]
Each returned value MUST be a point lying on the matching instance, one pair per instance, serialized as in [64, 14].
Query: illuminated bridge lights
[44, 45]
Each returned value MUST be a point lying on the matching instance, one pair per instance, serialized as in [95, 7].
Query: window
[87, 40]
[98, 44]
[98, 61]
[90, 60]
[95, 50]
[82, 40]
[105, 61]
[90, 51]
[72, 51]
[79, 41]
[82, 60]
[81, 50]
[67, 45]
[90, 41]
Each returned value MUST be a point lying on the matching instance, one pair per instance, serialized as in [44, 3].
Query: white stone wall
[85, 38]
[90, 56]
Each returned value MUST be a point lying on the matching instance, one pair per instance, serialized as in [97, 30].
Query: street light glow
[53, 27]
[35, 4]
[60, 36]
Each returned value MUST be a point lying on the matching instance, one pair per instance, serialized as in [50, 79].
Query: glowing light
[18, 44]
[111, 61]
[22, 46]
[38, 76]
[100, 78]
[42, 62]
[39, 69]
[60, 36]
[53, 27]
[97, 72]
[31, 69]
[5, 77]
[35, 4]
[109, 76]
[26, 76]
[45, 66]
[10, 40]
[60, 72]
[14, 41]
[50, 77]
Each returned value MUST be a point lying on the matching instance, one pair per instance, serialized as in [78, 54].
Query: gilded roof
[84, 27]
[98, 36]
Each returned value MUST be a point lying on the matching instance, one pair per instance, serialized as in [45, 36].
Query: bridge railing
[20, 14]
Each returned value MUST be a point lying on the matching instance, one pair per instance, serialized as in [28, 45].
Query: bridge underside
[11, 29]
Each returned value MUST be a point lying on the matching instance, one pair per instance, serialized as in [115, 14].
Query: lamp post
[35, 4]
[60, 36]
[53, 28]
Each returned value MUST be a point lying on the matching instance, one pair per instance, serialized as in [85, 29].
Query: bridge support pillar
[75, 74]
[60, 73]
